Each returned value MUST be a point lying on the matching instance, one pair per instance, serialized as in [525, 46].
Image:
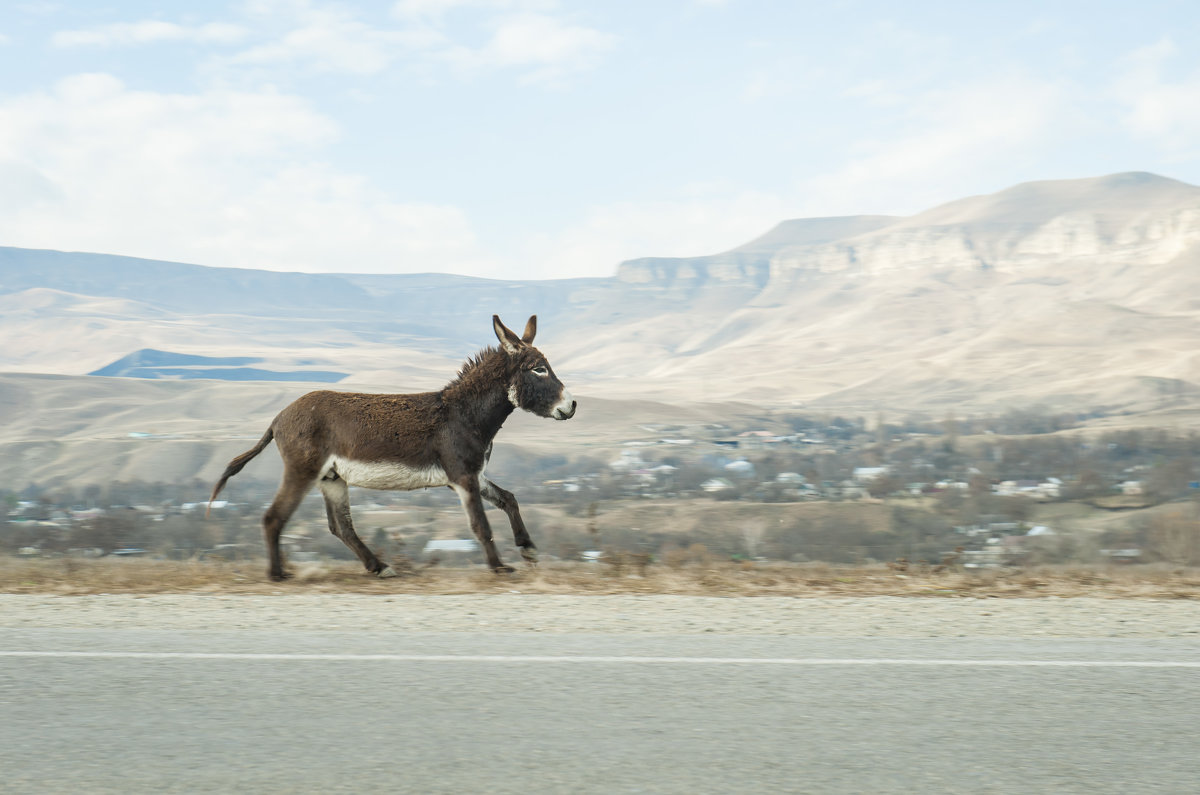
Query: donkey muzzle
[561, 413]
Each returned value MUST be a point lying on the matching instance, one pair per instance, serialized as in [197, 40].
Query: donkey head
[533, 385]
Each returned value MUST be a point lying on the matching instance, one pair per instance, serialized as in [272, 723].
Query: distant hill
[1077, 294]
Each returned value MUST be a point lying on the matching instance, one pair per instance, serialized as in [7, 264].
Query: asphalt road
[169, 711]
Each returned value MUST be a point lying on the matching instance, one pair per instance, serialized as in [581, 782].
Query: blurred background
[850, 284]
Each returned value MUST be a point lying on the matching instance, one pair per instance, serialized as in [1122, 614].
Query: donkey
[403, 442]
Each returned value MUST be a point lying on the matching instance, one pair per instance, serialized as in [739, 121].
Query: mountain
[83, 313]
[1076, 294]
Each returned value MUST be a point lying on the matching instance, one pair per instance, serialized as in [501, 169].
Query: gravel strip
[842, 617]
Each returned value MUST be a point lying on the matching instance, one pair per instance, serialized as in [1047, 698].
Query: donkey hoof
[530, 554]
[386, 572]
[503, 569]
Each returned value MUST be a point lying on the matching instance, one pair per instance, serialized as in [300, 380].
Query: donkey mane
[473, 363]
[476, 384]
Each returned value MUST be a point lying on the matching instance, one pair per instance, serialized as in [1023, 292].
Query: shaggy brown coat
[338, 439]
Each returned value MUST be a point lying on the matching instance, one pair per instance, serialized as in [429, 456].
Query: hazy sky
[538, 139]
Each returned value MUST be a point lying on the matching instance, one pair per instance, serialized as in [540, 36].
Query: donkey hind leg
[287, 499]
[505, 501]
[468, 493]
[337, 509]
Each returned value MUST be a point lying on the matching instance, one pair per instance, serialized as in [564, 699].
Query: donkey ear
[530, 330]
[508, 340]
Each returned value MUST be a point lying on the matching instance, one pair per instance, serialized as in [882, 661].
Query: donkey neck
[479, 395]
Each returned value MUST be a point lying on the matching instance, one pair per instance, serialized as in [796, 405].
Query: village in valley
[983, 493]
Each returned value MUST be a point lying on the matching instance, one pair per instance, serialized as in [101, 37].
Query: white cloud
[323, 37]
[546, 45]
[1156, 108]
[944, 143]
[708, 221]
[329, 39]
[437, 9]
[149, 32]
[543, 41]
[526, 35]
[219, 178]
[516, 34]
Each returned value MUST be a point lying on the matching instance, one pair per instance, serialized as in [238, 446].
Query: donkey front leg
[469, 494]
[505, 501]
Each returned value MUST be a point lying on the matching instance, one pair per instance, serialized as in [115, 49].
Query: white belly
[385, 475]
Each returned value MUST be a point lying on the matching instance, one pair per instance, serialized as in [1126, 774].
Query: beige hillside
[1075, 295]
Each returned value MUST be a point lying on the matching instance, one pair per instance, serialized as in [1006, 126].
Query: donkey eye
[542, 371]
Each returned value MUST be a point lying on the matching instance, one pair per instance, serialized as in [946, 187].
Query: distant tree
[108, 531]
[884, 485]
[1169, 479]
[1090, 484]
[92, 494]
[979, 486]
[950, 432]
[1175, 537]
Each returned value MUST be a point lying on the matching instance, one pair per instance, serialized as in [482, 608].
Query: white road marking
[533, 658]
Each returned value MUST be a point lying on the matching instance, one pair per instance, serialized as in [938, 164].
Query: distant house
[451, 545]
[629, 461]
[742, 468]
[867, 474]
[757, 439]
[849, 490]
[1048, 489]
[664, 470]
[716, 485]
[188, 507]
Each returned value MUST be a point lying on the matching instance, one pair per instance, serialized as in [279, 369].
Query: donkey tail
[235, 466]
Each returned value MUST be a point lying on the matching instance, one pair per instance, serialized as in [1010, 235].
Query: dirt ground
[783, 599]
[70, 576]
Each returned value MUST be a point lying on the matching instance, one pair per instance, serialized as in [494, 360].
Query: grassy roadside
[67, 576]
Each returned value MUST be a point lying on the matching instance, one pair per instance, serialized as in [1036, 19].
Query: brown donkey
[403, 442]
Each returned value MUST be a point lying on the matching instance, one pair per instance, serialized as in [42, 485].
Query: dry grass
[68, 576]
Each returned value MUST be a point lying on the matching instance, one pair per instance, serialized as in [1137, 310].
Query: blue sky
[548, 138]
